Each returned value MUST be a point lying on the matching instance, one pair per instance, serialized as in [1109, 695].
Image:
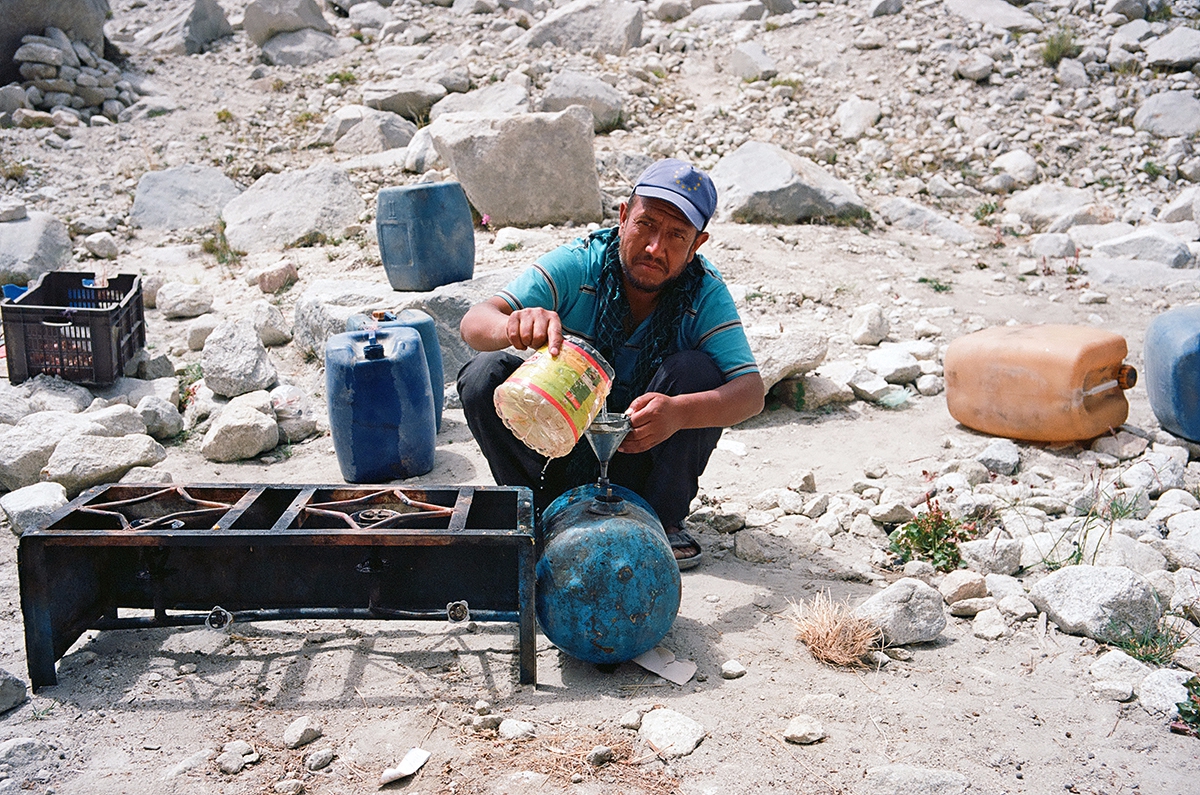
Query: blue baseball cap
[683, 185]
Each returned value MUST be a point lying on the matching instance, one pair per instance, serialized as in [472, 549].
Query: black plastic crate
[64, 325]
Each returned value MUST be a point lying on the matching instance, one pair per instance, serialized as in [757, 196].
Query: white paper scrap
[662, 662]
[410, 764]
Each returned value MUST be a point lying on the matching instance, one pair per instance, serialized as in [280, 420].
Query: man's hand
[492, 325]
[533, 328]
[654, 419]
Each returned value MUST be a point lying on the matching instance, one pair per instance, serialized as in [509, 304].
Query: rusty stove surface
[215, 553]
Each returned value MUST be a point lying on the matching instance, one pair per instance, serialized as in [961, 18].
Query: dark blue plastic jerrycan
[1172, 370]
[423, 323]
[380, 404]
[426, 238]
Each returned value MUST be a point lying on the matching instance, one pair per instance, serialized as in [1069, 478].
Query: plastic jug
[608, 587]
[423, 323]
[426, 237]
[380, 404]
[1040, 383]
[1172, 369]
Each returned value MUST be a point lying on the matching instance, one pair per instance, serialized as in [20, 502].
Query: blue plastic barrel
[426, 238]
[608, 587]
[423, 323]
[380, 404]
[1171, 370]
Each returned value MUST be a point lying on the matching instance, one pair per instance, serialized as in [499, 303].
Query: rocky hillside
[894, 174]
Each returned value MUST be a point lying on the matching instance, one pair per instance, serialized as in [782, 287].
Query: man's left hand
[653, 420]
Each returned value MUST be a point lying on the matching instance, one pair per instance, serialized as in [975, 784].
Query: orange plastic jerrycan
[1039, 383]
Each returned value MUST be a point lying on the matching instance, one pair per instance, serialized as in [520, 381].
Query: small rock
[599, 756]
[318, 759]
[962, 584]
[989, 624]
[732, 669]
[301, 731]
[804, 730]
[511, 729]
[672, 733]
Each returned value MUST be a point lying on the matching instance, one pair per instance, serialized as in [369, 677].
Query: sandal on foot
[681, 539]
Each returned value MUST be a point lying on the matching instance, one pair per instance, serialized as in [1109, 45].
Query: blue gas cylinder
[608, 587]
[1171, 370]
[426, 237]
[380, 404]
[423, 323]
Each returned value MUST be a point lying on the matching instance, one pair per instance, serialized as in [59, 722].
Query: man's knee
[686, 372]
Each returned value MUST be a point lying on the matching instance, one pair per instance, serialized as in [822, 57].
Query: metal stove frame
[263, 552]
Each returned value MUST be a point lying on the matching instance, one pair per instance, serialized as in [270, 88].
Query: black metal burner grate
[214, 554]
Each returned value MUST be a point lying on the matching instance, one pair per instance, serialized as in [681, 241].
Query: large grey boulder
[32, 505]
[282, 209]
[295, 414]
[727, 12]
[497, 99]
[238, 433]
[1045, 202]
[378, 131]
[161, 418]
[750, 61]
[119, 419]
[1161, 691]
[569, 88]
[79, 461]
[996, 13]
[33, 245]
[410, 97]
[855, 117]
[301, 48]
[134, 389]
[1100, 602]
[1179, 49]
[907, 214]
[1169, 114]
[608, 26]
[14, 403]
[1018, 164]
[325, 306]
[51, 393]
[269, 322]
[177, 300]
[80, 20]
[907, 611]
[764, 183]
[183, 197]
[267, 18]
[529, 169]
[235, 361]
[1147, 245]
[187, 32]
[883, 8]
[786, 354]
[992, 555]
[900, 779]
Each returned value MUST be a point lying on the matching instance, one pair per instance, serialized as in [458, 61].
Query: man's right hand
[533, 328]
[493, 325]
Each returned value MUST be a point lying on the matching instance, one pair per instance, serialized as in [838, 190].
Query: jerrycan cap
[1126, 377]
[373, 349]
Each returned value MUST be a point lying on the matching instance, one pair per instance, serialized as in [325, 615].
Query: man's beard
[640, 284]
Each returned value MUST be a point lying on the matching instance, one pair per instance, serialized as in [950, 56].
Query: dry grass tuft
[832, 633]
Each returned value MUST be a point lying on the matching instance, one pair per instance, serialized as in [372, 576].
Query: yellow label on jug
[549, 400]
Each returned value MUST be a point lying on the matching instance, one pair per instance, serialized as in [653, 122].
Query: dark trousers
[666, 476]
